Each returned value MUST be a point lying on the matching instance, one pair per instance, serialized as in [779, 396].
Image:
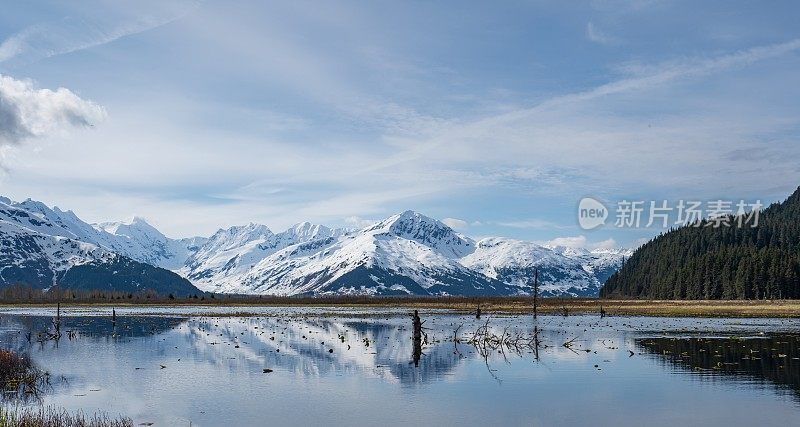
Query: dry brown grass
[668, 308]
[19, 377]
[57, 417]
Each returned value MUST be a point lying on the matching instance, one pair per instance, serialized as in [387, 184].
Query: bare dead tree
[535, 290]
[486, 342]
[57, 322]
[457, 341]
[416, 324]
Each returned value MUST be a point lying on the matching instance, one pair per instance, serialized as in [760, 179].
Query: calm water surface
[173, 367]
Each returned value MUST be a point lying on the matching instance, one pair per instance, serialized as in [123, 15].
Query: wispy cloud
[645, 77]
[455, 223]
[598, 36]
[591, 138]
[71, 34]
[343, 109]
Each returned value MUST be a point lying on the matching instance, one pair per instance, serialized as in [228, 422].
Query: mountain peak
[239, 235]
[131, 227]
[426, 230]
[34, 205]
[137, 220]
[410, 213]
[306, 229]
[405, 218]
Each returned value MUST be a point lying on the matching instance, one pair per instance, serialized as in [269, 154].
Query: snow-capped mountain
[601, 263]
[43, 247]
[141, 241]
[407, 253]
[223, 259]
[562, 271]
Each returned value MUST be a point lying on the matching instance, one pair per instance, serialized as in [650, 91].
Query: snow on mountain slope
[427, 231]
[141, 241]
[562, 271]
[40, 247]
[601, 263]
[515, 262]
[36, 216]
[407, 253]
[230, 253]
[31, 257]
[135, 239]
[227, 252]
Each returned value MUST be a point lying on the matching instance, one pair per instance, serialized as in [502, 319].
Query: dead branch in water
[486, 342]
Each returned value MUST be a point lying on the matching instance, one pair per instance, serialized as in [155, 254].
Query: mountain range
[42, 248]
[405, 254]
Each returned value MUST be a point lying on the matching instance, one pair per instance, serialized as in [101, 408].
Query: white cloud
[27, 112]
[454, 223]
[529, 223]
[580, 242]
[359, 222]
[609, 243]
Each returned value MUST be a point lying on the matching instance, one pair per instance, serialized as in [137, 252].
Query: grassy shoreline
[514, 305]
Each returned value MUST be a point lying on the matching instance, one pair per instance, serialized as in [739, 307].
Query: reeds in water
[56, 417]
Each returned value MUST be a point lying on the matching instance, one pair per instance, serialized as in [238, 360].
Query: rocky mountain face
[405, 254]
[43, 247]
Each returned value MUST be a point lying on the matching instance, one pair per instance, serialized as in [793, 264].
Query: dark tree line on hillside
[728, 262]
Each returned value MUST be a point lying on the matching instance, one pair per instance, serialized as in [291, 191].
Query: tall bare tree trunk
[535, 291]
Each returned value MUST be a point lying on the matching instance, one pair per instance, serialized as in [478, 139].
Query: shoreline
[646, 308]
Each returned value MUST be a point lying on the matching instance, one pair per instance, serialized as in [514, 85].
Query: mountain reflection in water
[306, 367]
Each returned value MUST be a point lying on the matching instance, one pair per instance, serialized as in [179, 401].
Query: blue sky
[500, 116]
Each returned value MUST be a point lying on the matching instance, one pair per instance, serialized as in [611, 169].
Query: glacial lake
[206, 367]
